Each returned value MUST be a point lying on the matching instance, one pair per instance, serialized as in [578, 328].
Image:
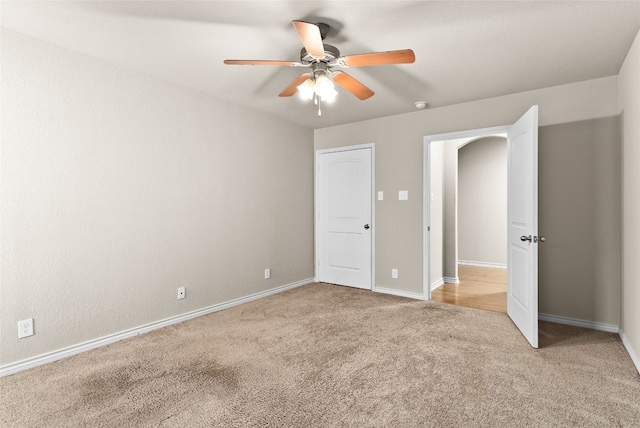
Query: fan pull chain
[319, 102]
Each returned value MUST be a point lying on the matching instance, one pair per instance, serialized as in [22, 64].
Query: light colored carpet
[329, 356]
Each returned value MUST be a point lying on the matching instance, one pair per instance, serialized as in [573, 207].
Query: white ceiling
[464, 50]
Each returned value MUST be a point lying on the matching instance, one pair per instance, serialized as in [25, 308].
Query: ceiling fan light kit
[320, 90]
[318, 85]
[324, 88]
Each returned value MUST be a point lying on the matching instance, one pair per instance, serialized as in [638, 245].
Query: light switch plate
[403, 195]
[380, 195]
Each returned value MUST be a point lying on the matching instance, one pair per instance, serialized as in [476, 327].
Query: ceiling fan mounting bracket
[324, 29]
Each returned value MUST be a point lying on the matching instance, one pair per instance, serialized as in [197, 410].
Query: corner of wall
[629, 108]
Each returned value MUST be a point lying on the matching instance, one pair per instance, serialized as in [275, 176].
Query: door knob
[366, 226]
[525, 238]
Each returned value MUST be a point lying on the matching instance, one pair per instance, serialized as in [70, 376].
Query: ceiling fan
[321, 59]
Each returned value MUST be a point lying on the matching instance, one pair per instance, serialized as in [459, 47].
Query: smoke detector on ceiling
[421, 104]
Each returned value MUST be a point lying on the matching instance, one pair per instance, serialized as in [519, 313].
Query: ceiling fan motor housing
[330, 53]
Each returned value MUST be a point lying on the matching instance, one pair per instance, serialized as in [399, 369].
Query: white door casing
[522, 223]
[344, 189]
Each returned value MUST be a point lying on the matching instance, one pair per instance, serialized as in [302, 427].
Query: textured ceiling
[464, 50]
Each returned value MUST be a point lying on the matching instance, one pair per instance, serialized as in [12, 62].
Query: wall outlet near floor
[181, 292]
[267, 273]
[25, 328]
[394, 273]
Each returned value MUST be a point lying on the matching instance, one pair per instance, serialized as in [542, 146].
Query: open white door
[344, 229]
[522, 220]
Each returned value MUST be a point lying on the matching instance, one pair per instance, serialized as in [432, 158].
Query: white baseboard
[634, 357]
[408, 294]
[437, 284]
[482, 264]
[451, 280]
[610, 328]
[50, 357]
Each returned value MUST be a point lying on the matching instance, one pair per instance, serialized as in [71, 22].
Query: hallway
[479, 287]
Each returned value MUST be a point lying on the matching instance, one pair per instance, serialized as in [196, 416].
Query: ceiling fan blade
[353, 86]
[405, 56]
[293, 86]
[311, 38]
[260, 62]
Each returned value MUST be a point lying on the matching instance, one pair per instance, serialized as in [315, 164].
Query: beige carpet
[329, 356]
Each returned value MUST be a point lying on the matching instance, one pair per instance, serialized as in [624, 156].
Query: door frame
[426, 188]
[316, 209]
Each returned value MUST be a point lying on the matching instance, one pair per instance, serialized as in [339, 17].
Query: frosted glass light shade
[306, 89]
[324, 88]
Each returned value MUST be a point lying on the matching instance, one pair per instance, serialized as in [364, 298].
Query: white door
[522, 223]
[344, 217]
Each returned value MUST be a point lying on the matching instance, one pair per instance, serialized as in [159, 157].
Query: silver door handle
[366, 226]
[525, 238]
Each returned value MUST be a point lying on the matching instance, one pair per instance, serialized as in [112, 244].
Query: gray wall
[399, 165]
[579, 213]
[118, 188]
[629, 107]
[482, 201]
[450, 214]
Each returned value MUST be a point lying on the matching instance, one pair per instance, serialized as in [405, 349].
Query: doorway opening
[444, 238]
[522, 218]
[468, 211]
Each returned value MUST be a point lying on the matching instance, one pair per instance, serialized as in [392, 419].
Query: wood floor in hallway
[479, 287]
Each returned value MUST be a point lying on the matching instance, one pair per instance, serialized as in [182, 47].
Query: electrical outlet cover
[25, 328]
[181, 293]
